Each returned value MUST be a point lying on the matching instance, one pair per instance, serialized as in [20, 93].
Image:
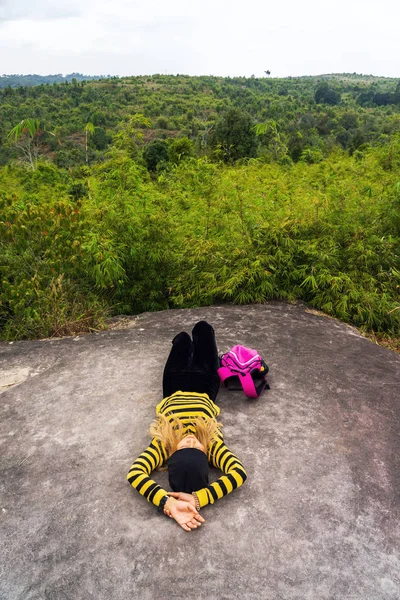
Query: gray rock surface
[318, 517]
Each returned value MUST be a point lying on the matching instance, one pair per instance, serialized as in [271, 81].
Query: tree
[296, 144]
[154, 153]
[383, 98]
[349, 120]
[100, 139]
[269, 130]
[327, 95]
[180, 149]
[396, 95]
[26, 137]
[130, 136]
[98, 118]
[234, 136]
[205, 128]
[89, 130]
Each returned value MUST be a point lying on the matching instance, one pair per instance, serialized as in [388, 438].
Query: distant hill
[286, 119]
[355, 77]
[31, 80]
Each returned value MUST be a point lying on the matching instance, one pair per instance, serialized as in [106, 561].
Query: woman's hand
[184, 513]
[183, 496]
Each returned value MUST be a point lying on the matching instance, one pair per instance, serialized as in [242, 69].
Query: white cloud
[11, 10]
[212, 37]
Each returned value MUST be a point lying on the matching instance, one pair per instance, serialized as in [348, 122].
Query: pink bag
[244, 366]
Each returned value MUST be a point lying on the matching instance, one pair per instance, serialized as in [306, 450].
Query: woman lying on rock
[186, 434]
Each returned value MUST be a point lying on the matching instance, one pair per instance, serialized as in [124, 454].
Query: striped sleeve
[234, 474]
[139, 474]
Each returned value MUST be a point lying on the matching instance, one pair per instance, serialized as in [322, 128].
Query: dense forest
[29, 80]
[120, 195]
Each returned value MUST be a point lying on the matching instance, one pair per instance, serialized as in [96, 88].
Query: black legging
[192, 366]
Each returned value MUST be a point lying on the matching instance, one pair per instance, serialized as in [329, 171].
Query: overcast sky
[217, 37]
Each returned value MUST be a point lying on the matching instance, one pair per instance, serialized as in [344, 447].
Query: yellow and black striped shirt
[186, 406]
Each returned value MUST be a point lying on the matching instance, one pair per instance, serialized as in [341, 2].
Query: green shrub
[75, 247]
